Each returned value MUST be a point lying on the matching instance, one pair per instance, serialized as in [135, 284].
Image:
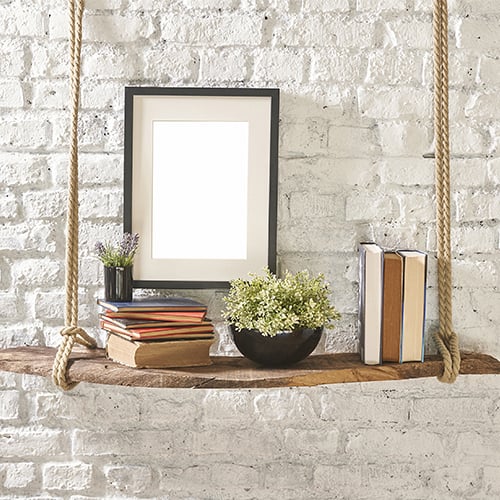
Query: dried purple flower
[121, 255]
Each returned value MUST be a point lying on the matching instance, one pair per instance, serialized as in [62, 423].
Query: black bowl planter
[285, 348]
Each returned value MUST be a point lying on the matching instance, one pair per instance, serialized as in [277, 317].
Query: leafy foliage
[270, 304]
[119, 255]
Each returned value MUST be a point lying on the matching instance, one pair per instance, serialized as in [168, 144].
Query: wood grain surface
[233, 372]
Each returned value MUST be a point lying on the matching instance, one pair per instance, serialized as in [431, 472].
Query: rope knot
[79, 335]
[71, 331]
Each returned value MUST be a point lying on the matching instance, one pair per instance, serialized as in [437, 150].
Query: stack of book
[392, 293]
[160, 332]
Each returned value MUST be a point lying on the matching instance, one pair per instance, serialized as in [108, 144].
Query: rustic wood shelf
[232, 372]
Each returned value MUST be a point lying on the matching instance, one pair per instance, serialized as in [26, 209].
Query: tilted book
[181, 316]
[154, 304]
[133, 323]
[166, 354]
[371, 262]
[200, 331]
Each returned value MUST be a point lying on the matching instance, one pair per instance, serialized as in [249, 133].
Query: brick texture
[356, 118]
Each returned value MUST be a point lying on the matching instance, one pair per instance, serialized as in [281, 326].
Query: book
[165, 304]
[180, 316]
[413, 300]
[166, 354]
[201, 331]
[392, 311]
[371, 261]
[131, 323]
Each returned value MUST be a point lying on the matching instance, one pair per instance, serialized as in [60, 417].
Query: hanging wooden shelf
[232, 372]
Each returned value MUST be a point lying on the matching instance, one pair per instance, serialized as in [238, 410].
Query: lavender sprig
[120, 255]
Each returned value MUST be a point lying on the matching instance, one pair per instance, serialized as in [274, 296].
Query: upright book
[392, 312]
[371, 262]
[159, 354]
[413, 314]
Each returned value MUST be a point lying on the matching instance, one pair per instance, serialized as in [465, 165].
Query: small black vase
[118, 284]
[285, 348]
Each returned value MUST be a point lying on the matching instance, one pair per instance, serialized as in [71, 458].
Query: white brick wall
[356, 117]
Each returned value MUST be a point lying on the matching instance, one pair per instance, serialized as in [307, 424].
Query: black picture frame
[141, 103]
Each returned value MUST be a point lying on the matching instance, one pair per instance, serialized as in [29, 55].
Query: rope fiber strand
[445, 338]
[72, 333]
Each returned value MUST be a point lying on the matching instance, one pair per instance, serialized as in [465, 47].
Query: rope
[71, 333]
[446, 339]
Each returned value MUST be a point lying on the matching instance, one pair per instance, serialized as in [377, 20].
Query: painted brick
[241, 475]
[490, 479]
[390, 443]
[407, 171]
[23, 169]
[436, 412]
[8, 205]
[313, 205]
[96, 203]
[490, 70]
[49, 58]
[162, 63]
[307, 138]
[32, 442]
[372, 408]
[286, 475]
[8, 306]
[73, 476]
[136, 443]
[9, 405]
[337, 66]
[130, 479]
[224, 65]
[358, 142]
[7, 380]
[24, 133]
[230, 29]
[35, 272]
[51, 94]
[12, 57]
[411, 33]
[326, 5]
[311, 442]
[44, 204]
[11, 94]
[390, 103]
[120, 62]
[280, 404]
[361, 206]
[228, 405]
[210, 4]
[478, 34]
[395, 66]
[285, 65]
[379, 5]
[404, 139]
[18, 475]
[21, 21]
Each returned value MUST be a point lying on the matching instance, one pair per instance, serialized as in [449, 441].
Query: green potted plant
[118, 260]
[278, 321]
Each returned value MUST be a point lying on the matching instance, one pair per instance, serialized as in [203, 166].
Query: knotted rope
[445, 338]
[72, 333]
